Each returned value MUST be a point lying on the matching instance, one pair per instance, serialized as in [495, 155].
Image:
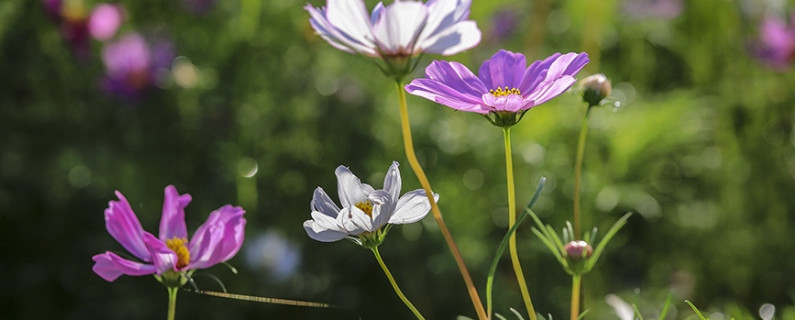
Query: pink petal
[164, 259]
[218, 239]
[123, 225]
[110, 266]
[172, 216]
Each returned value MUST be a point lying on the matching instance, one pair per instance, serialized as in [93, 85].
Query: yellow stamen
[178, 246]
[501, 92]
[365, 206]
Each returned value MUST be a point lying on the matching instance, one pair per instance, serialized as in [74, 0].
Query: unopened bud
[595, 88]
[577, 250]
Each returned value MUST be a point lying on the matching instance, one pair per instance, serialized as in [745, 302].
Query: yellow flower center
[178, 246]
[365, 206]
[501, 92]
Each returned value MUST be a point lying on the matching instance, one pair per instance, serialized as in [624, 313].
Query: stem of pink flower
[576, 201]
[512, 218]
[173, 297]
[394, 284]
[437, 215]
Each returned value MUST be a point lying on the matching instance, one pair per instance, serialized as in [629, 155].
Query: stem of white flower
[437, 215]
[394, 284]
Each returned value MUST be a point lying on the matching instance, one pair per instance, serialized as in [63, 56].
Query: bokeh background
[240, 102]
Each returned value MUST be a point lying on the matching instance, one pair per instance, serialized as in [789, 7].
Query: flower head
[504, 88]
[105, 20]
[364, 210]
[776, 42]
[398, 31]
[132, 64]
[172, 253]
[595, 88]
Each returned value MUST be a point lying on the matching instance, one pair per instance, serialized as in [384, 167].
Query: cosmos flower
[775, 45]
[105, 20]
[504, 88]
[172, 253]
[364, 210]
[398, 31]
[132, 64]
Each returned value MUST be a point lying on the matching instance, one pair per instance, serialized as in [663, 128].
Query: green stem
[512, 218]
[394, 284]
[576, 201]
[576, 297]
[408, 145]
[173, 297]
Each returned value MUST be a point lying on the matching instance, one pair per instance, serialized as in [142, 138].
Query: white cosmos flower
[364, 210]
[403, 28]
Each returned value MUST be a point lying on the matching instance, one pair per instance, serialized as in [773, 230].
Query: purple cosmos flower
[132, 64]
[397, 31]
[365, 210]
[215, 241]
[776, 42]
[504, 88]
[105, 20]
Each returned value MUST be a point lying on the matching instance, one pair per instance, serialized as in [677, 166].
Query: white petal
[323, 235]
[462, 36]
[383, 208]
[354, 221]
[352, 25]
[350, 188]
[322, 202]
[412, 207]
[323, 221]
[392, 182]
[397, 29]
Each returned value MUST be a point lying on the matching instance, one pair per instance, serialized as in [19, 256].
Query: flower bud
[595, 88]
[578, 252]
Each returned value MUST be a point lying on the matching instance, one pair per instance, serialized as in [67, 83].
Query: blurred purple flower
[217, 240]
[132, 64]
[653, 9]
[504, 23]
[272, 252]
[775, 45]
[105, 20]
[504, 87]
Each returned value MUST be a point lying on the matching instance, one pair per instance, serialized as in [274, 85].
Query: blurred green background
[256, 110]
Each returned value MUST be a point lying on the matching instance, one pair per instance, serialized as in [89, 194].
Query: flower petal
[351, 190]
[552, 90]
[322, 234]
[354, 221]
[123, 225]
[450, 84]
[412, 207]
[460, 37]
[350, 18]
[392, 182]
[218, 239]
[397, 29]
[172, 215]
[322, 203]
[503, 69]
[446, 31]
[164, 259]
[110, 266]
[382, 210]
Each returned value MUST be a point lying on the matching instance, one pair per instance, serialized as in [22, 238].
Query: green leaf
[603, 242]
[700, 315]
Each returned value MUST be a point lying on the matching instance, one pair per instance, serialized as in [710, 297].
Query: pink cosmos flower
[105, 20]
[217, 240]
[776, 42]
[504, 88]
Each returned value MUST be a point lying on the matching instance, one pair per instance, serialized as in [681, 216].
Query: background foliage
[701, 147]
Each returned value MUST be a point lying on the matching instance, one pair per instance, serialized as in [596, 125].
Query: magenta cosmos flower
[504, 88]
[776, 42]
[397, 31]
[215, 241]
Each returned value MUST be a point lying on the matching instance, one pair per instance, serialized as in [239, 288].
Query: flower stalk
[408, 145]
[576, 297]
[576, 201]
[512, 217]
[173, 297]
[394, 284]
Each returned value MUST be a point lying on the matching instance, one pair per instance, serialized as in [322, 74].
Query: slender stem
[173, 297]
[576, 201]
[512, 218]
[437, 215]
[394, 284]
[576, 297]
